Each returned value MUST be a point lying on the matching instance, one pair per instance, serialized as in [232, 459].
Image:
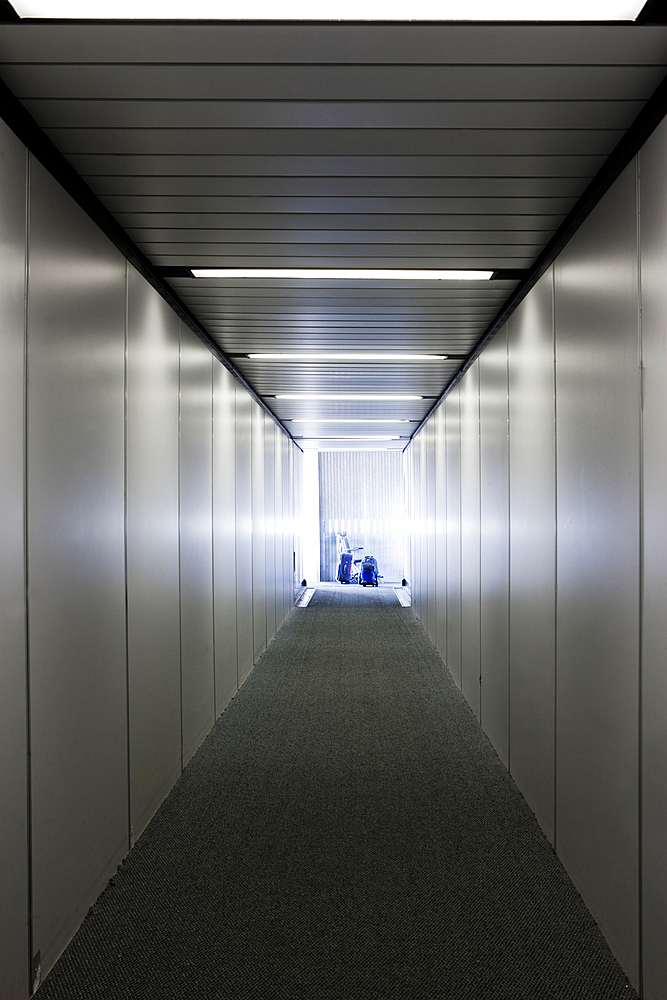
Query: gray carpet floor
[346, 831]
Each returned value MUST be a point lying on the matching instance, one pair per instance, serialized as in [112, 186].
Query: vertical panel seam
[555, 439]
[213, 630]
[33, 976]
[460, 482]
[640, 637]
[178, 507]
[509, 553]
[130, 835]
[479, 510]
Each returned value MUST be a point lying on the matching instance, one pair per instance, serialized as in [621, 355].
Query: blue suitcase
[344, 574]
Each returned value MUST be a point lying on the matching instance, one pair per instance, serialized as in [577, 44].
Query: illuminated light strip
[354, 437]
[335, 10]
[348, 420]
[346, 356]
[339, 273]
[347, 397]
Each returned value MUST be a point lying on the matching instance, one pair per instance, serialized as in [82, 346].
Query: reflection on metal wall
[362, 493]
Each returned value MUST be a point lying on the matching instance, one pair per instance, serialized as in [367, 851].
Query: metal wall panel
[533, 550]
[14, 941]
[288, 534]
[414, 479]
[195, 539]
[494, 550]
[470, 539]
[297, 495]
[152, 549]
[76, 573]
[224, 535]
[258, 533]
[452, 408]
[653, 196]
[429, 535]
[441, 531]
[598, 406]
[244, 553]
[279, 529]
[270, 522]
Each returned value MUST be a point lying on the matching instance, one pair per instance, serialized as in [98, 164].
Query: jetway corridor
[346, 830]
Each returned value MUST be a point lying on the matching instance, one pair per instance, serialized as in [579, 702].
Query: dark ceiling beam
[653, 12]
[644, 124]
[24, 126]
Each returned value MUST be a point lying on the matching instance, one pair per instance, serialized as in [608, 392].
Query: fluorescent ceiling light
[341, 273]
[334, 10]
[349, 420]
[354, 437]
[346, 397]
[346, 356]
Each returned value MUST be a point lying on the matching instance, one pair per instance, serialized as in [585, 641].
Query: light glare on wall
[334, 10]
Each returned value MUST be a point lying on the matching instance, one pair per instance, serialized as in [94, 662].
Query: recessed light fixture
[346, 397]
[353, 437]
[341, 273]
[346, 356]
[333, 10]
[349, 420]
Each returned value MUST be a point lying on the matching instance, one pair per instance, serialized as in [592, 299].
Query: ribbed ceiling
[337, 145]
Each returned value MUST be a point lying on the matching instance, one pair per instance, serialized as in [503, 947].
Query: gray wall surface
[532, 535]
[573, 584]
[14, 928]
[76, 572]
[440, 532]
[195, 477]
[244, 536]
[224, 536]
[494, 543]
[258, 507]
[470, 540]
[653, 200]
[109, 608]
[597, 626]
[450, 505]
[154, 663]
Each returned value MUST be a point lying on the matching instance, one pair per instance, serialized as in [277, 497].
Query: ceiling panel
[349, 145]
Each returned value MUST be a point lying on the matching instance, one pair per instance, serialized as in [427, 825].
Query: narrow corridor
[346, 831]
